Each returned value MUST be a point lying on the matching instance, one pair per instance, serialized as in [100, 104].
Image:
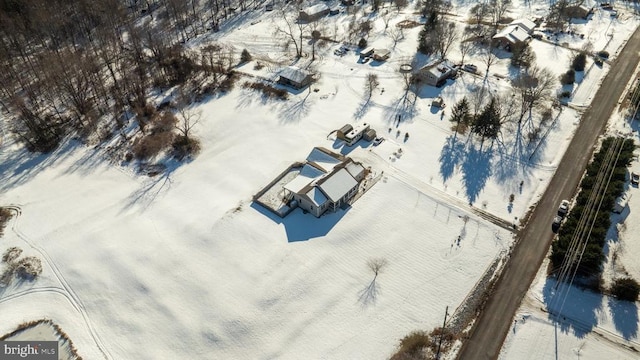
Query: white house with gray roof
[326, 181]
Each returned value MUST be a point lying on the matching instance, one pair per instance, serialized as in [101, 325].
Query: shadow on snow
[302, 227]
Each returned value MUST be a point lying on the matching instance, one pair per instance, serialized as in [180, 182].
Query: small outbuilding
[381, 54]
[295, 77]
[313, 13]
[367, 52]
[369, 135]
[343, 131]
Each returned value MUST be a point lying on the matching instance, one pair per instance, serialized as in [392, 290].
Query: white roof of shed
[294, 74]
[338, 184]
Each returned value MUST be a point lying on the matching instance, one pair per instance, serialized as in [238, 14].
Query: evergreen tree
[487, 123]
[460, 113]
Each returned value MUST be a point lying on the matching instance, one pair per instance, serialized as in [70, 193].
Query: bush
[579, 62]
[625, 289]
[565, 94]
[164, 122]
[11, 254]
[245, 56]
[568, 78]
[413, 345]
[185, 146]
[362, 43]
[5, 215]
[268, 90]
[152, 145]
[29, 267]
[603, 54]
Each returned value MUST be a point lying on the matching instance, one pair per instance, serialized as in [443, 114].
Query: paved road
[496, 319]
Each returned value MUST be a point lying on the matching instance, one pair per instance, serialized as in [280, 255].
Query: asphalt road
[535, 238]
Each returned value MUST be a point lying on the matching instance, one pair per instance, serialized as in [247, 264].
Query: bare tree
[292, 31]
[465, 48]
[371, 83]
[498, 9]
[397, 34]
[446, 35]
[532, 87]
[488, 58]
[376, 265]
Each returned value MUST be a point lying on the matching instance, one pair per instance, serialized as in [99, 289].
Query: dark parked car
[635, 178]
[556, 223]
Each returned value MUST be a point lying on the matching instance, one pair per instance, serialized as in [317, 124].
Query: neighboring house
[295, 77]
[510, 36]
[526, 24]
[313, 13]
[326, 181]
[436, 74]
[381, 54]
[516, 33]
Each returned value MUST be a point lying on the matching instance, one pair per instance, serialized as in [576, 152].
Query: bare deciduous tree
[488, 58]
[292, 31]
[465, 48]
[376, 265]
[532, 87]
[371, 83]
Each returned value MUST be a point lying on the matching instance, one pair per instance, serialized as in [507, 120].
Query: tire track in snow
[70, 293]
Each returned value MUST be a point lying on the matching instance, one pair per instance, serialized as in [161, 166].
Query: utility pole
[444, 323]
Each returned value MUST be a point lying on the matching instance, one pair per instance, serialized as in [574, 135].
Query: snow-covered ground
[183, 265]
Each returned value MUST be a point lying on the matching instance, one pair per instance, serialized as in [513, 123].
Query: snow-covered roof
[513, 34]
[315, 9]
[307, 174]
[316, 196]
[354, 168]
[323, 159]
[338, 184]
[294, 74]
[526, 24]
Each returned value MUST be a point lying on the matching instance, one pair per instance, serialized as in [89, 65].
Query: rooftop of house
[294, 74]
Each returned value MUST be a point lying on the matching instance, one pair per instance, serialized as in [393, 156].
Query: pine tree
[460, 114]
[487, 123]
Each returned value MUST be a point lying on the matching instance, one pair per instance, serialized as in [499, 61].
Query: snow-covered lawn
[183, 265]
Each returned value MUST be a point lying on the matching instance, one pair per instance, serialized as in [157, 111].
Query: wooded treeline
[81, 66]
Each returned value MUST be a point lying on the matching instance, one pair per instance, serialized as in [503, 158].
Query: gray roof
[294, 74]
[315, 9]
[338, 184]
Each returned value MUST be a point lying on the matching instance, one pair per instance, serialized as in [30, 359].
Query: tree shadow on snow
[296, 109]
[451, 155]
[476, 169]
[572, 308]
[369, 294]
[18, 166]
[625, 317]
[302, 227]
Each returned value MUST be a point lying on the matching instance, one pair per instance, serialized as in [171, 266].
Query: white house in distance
[313, 13]
[326, 181]
[517, 32]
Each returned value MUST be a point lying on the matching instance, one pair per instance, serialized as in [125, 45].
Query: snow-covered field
[183, 265]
